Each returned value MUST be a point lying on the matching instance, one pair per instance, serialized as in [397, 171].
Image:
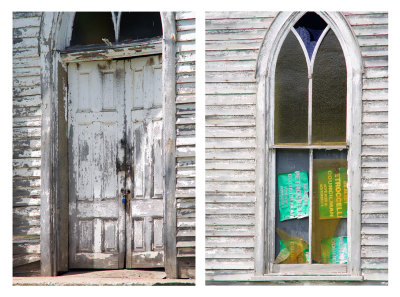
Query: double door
[115, 164]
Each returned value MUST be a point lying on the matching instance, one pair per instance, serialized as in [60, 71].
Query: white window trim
[265, 161]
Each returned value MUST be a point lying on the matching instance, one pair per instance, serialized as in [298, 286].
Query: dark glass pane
[291, 236]
[91, 27]
[291, 93]
[329, 93]
[139, 25]
[310, 28]
[329, 213]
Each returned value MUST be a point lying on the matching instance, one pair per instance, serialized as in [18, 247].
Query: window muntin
[324, 147]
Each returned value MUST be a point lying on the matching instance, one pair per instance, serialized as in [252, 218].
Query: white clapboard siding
[26, 138]
[185, 141]
[371, 30]
[233, 40]
[232, 43]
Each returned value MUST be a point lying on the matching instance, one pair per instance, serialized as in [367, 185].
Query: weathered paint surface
[233, 40]
[27, 113]
[96, 126]
[185, 143]
[27, 124]
[115, 120]
[145, 247]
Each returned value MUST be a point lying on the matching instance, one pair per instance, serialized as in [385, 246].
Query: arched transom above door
[111, 28]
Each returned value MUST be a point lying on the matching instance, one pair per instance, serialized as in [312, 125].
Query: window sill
[279, 277]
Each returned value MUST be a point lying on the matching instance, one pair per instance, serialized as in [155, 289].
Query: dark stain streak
[84, 151]
[150, 62]
[138, 142]
[17, 40]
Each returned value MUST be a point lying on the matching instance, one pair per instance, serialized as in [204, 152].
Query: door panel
[115, 117]
[96, 125]
[144, 129]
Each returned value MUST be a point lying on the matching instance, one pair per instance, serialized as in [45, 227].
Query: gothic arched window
[310, 148]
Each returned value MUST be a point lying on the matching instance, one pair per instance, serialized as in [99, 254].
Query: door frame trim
[55, 34]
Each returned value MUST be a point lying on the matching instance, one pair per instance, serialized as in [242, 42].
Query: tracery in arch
[310, 85]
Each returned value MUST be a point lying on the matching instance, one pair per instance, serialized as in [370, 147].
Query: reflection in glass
[329, 93]
[291, 237]
[291, 94]
[329, 211]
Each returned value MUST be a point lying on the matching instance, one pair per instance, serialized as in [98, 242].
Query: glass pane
[292, 206]
[91, 28]
[310, 28]
[140, 25]
[329, 214]
[329, 93]
[291, 94]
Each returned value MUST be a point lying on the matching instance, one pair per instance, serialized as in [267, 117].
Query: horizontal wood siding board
[375, 275]
[229, 220]
[231, 77]
[231, 208]
[375, 240]
[27, 42]
[242, 44]
[184, 15]
[381, 94]
[380, 228]
[209, 15]
[368, 19]
[25, 22]
[370, 263]
[380, 218]
[23, 53]
[229, 231]
[376, 72]
[230, 154]
[246, 65]
[232, 264]
[185, 24]
[232, 55]
[375, 106]
[230, 198]
[242, 23]
[375, 195]
[229, 253]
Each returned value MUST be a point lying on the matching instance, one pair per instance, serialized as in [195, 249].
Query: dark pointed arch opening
[139, 25]
[91, 27]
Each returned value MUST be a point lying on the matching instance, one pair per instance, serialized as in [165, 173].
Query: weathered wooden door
[116, 189]
[144, 105]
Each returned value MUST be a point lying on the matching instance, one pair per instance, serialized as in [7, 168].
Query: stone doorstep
[124, 277]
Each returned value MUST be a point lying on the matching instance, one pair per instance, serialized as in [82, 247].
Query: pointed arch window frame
[265, 157]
